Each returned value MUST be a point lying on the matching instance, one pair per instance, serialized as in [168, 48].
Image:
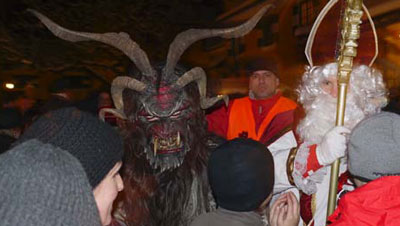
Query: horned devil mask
[163, 104]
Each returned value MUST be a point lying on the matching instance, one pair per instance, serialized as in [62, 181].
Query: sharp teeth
[176, 163]
[178, 139]
[155, 146]
[152, 161]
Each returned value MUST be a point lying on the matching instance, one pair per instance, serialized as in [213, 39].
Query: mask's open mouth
[167, 145]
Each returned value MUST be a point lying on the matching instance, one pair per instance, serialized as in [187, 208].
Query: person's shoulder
[115, 222]
[239, 100]
[288, 100]
[202, 219]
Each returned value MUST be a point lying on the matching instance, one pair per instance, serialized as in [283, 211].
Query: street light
[9, 85]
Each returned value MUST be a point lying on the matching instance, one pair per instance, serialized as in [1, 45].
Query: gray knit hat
[46, 186]
[94, 143]
[374, 147]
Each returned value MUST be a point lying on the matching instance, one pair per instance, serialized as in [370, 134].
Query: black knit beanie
[241, 174]
[262, 64]
[44, 185]
[94, 143]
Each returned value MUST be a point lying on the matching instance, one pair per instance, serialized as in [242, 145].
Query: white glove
[333, 145]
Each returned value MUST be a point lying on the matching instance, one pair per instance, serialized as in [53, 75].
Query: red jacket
[375, 203]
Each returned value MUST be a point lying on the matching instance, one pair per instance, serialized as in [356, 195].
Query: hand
[285, 211]
[333, 145]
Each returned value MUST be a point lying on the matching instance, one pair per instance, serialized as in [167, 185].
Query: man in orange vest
[265, 116]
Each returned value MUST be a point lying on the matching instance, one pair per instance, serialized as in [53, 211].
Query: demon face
[164, 107]
[162, 115]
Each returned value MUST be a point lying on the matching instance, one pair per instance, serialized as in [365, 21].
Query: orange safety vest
[241, 117]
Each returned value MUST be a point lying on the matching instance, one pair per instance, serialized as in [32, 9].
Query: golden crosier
[348, 50]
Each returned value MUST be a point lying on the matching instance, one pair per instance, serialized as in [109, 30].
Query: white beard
[321, 115]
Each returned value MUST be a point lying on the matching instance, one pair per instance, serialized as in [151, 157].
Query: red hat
[322, 43]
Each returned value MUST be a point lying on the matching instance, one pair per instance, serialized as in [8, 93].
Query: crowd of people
[63, 167]
[266, 159]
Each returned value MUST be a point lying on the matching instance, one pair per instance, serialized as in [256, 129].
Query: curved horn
[113, 111]
[119, 84]
[121, 41]
[198, 75]
[183, 40]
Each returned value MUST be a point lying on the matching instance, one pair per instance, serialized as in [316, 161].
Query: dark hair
[362, 179]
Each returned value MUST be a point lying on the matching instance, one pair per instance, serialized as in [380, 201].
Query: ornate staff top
[350, 34]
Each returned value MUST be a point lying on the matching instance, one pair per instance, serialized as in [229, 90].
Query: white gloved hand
[333, 145]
